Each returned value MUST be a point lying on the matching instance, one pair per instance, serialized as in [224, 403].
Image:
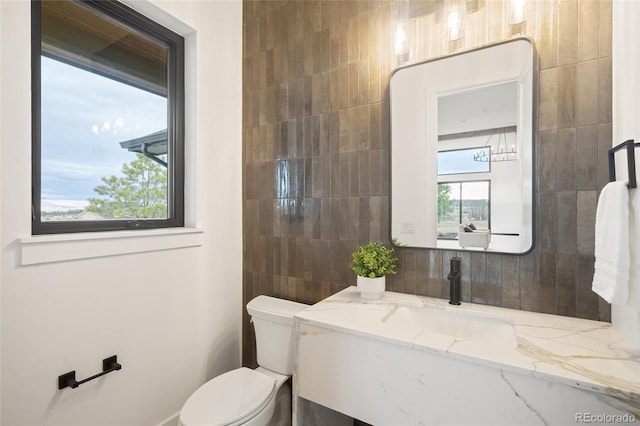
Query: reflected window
[462, 203]
[461, 161]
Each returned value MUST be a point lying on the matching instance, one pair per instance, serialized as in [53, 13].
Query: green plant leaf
[373, 260]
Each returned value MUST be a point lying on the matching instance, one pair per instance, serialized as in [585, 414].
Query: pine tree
[140, 193]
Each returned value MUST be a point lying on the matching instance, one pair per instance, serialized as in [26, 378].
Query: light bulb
[400, 45]
[454, 25]
[518, 12]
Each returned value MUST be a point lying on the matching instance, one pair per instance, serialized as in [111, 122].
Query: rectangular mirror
[462, 131]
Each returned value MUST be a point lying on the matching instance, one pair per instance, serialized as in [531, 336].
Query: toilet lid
[228, 398]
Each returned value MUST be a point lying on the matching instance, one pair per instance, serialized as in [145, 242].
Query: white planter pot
[371, 288]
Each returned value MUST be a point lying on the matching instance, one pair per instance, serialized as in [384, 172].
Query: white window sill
[63, 247]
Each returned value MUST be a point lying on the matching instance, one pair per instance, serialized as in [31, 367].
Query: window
[460, 161]
[108, 119]
[462, 203]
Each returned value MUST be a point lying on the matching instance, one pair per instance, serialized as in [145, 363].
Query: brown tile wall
[316, 150]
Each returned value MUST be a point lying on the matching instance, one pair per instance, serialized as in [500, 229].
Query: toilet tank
[273, 322]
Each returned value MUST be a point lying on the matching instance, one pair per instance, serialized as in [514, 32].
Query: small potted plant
[372, 262]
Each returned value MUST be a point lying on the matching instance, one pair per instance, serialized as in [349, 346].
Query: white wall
[626, 107]
[173, 317]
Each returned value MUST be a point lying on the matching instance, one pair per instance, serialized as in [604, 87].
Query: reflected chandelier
[499, 152]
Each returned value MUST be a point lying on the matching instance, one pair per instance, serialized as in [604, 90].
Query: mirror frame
[529, 245]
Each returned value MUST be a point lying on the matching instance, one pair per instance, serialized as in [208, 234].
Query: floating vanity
[405, 360]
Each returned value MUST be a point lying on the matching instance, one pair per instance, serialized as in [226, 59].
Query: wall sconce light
[400, 27]
[401, 40]
[455, 12]
[518, 12]
[453, 24]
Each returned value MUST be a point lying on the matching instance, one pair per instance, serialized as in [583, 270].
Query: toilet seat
[230, 398]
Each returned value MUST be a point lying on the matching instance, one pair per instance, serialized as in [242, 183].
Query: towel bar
[629, 145]
[69, 379]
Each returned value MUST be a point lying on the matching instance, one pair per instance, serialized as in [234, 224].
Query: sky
[84, 118]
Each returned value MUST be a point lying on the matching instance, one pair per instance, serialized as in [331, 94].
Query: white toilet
[252, 397]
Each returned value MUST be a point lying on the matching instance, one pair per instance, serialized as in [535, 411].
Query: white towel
[611, 276]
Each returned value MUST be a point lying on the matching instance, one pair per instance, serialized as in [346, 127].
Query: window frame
[175, 123]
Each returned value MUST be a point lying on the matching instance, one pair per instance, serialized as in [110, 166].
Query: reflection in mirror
[462, 160]
[463, 203]
[462, 150]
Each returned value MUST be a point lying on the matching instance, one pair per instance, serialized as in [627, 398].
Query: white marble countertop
[579, 353]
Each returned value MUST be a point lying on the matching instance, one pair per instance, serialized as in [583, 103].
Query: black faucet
[454, 281]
